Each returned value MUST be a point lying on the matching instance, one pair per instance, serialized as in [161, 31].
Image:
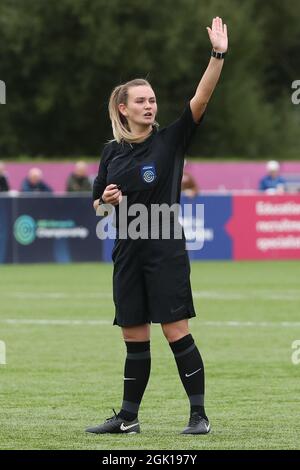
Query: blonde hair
[120, 127]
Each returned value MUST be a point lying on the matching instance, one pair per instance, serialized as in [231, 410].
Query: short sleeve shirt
[149, 172]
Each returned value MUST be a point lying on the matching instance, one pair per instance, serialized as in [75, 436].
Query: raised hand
[218, 35]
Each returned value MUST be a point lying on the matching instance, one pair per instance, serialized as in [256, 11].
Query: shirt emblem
[148, 173]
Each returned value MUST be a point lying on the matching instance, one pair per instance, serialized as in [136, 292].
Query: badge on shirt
[148, 172]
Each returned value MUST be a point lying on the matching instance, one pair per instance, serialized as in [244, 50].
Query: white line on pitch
[12, 321]
[292, 296]
[286, 296]
[240, 324]
[57, 295]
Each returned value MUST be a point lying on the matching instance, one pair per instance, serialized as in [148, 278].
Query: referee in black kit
[151, 276]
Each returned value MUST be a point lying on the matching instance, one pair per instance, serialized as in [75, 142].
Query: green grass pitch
[64, 359]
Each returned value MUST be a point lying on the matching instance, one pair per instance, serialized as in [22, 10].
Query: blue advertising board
[62, 229]
[47, 229]
[217, 211]
[6, 255]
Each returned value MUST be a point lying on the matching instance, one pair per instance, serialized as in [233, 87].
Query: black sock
[191, 370]
[136, 375]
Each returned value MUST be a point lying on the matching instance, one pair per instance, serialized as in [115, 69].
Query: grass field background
[65, 360]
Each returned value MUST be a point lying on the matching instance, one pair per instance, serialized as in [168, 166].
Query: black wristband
[218, 55]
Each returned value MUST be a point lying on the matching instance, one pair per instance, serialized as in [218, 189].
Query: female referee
[151, 276]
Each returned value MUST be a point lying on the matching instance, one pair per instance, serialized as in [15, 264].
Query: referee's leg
[191, 370]
[136, 375]
[136, 370]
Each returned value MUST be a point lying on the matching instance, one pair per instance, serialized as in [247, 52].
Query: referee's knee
[175, 330]
[136, 333]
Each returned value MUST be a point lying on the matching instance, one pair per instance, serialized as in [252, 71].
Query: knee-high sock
[191, 370]
[136, 376]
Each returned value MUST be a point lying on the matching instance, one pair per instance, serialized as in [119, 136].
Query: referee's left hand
[218, 35]
[112, 195]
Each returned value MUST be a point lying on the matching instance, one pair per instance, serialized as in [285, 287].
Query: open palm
[218, 35]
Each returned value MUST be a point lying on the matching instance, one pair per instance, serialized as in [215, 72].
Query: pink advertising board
[265, 227]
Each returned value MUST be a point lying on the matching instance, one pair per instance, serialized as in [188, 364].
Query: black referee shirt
[149, 172]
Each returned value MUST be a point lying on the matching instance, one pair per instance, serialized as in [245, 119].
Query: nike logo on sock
[125, 428]
[129, 378]
[188, 375]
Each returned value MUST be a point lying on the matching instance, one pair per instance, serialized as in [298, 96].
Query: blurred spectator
[79, 181]
[272, 182]
[189, 185]
[34, 182]
[4, 186]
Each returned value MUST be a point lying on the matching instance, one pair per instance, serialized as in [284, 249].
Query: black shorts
[151, 282]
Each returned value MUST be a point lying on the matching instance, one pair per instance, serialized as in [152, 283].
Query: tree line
[60, 59]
